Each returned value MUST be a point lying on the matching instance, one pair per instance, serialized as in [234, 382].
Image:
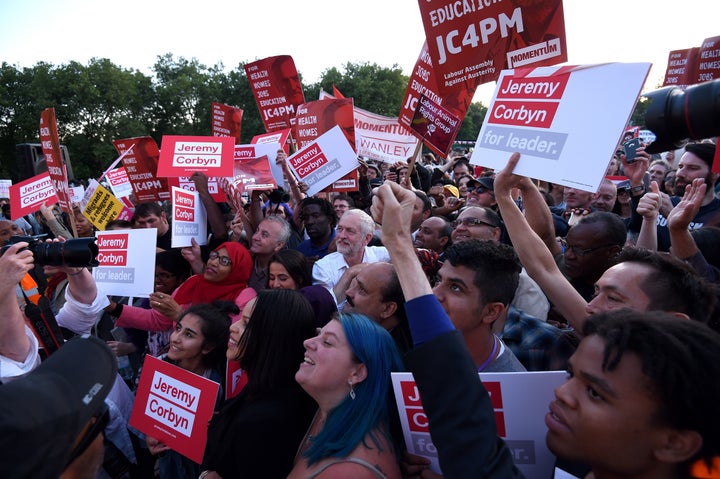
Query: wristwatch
[637, 190]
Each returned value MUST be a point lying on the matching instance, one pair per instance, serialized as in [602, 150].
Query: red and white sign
[708, 67]
[27, 196]
[519, 401]
[53, 158]
[140, 158]
[278, 92]
[189, 218]
[471, 42]
[184, 155]
[682, 68]
[5, 188]
[542, 114]
[226, 121]
[436, 126]
[124, 256]
[186, 183]
[174, 406]
[119, 182]
[324, 161]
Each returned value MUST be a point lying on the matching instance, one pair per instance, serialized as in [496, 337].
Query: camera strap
[43, 322]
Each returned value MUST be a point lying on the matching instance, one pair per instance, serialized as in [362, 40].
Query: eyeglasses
[223, 260]
[579, 252]
[470, 222]
[479, 190]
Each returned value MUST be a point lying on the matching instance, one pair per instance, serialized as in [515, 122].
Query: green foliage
[101, 102]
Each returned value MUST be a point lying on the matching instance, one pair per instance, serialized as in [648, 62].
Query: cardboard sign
[520, 402]
[184, 155]
[709, 60]
[141, 164]
[186, 183]
[278, 92]
[324, 161]
[189, 218]
[253, 174]
[436, 126]
[174, 406]
[471, 42]
[102, 207]
[226, 121]
[380, 137]
[126, 258]
[76, 193]
[119, 182]
[281, 136]
[5, 188]
[245, 153]
[682, 68]
[317, 117]
[53, 157]
[27, 196]
[423, 81]
[543, 114]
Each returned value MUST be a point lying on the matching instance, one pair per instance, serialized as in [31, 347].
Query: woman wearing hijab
[225, 277]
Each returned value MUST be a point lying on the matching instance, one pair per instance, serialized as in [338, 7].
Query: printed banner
[189, 218]
[471, 42]
[53, 157]
[119, 182]
[103, 207]
[709, 62]
[436, 126]
[542, 113]
[520, 402]
[226, 121]
[423, 81]
[27, 196]
[324, 161]
[278, 92]
[184, 155]
[125, 257]
[141, 164]
[174, 406]
[380, 137]
[682, 68]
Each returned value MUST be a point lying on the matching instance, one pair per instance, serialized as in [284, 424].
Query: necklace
[492, 355]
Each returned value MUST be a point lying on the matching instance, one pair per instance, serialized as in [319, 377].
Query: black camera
[278, 196]
[76, 253]
[675, 116]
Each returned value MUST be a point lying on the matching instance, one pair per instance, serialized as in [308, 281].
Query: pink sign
[174, 406]
[27, 196]
[184, 155]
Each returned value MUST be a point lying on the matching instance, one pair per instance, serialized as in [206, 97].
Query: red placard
[141, 165]
[226, 121]
[186, 183]
[53, 158]
[471, 42]
[27, 196]
[317, 117]
[253, 174]
[423, 81]
[185, 155]
[435, 126]
[278, 92]
[708, 67]
[280, 136]
[174, 406]
[682, 68]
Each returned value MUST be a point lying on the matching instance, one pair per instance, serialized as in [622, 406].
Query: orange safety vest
[701, 471]
[30, 287]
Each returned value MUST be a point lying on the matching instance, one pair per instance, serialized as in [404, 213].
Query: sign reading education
[324, 161]
[27, 196]
[276, 86]
[470, 42]
[542, 114]
[141, 164]
[124, 256]
[185, 155]
[189, 218]
[174, 406]
[520, 402]
[51, 149]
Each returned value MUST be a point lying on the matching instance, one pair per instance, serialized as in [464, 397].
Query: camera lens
[78, 252]
[674, 115]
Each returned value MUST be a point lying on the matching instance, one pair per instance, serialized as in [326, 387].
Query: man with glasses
[480, 193]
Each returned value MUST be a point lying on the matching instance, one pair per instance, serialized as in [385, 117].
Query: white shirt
[327, 271]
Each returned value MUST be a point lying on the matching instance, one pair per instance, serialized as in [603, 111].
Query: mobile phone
[630, 147]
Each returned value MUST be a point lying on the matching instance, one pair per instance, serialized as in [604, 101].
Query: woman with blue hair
[346, 369]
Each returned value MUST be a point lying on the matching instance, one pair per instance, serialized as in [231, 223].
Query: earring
[352, 390]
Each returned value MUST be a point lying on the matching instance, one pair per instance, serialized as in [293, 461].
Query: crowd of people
[434, 266]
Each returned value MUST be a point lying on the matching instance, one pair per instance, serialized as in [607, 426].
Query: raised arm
[649, 207]
[533, 254]
[14, 264]
[683, 244]
[214, 215]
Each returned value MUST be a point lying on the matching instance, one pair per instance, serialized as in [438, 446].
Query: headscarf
[198, 290]
[322, 303]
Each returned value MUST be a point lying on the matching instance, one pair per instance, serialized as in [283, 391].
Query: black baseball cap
[43, 413]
